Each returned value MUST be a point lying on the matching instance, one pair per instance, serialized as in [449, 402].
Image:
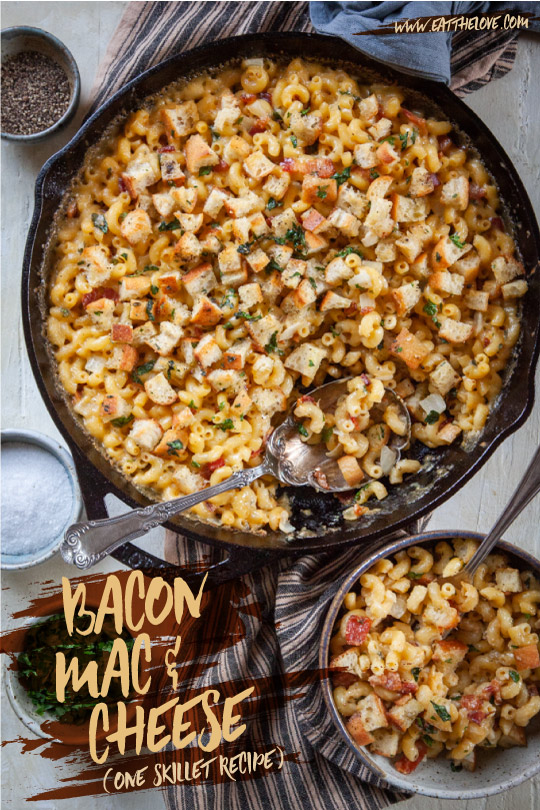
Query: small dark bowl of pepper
[41, 85]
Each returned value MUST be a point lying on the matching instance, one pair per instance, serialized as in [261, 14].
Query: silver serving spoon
[287, 458]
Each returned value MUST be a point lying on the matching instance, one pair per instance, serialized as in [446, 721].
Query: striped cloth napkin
[280, 634]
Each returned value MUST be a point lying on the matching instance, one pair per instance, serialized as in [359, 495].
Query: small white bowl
[497, 770]
[14, 562]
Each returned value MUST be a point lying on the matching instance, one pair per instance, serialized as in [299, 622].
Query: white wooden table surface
[510, 107]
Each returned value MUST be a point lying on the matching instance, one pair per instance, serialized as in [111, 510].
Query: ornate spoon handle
[85, 544]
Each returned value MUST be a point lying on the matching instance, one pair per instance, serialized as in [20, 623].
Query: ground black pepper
[35, 93]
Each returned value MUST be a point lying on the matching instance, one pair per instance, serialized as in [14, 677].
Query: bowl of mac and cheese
[237, 237]
[428, 684]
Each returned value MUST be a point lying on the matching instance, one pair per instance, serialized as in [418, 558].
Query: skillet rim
[273, 43]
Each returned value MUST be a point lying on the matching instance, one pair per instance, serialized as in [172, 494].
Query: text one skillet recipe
[425, 669]
[253, 232]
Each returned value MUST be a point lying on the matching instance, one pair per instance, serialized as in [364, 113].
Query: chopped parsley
[326, 434]
[272, 346]
[391, 140]
[64, 312]
[149, 268]
[342, 177]
[302, 430]
[215, 134]
[247, 317]
[456, 768]
[154, 290]
[373, 174]
[273, 265]
[149, 310]
[350, 249]
[403, 140]
[195, 464]
[100, 222]
[294, 141]
[297, 236]
[239, 119]
[348, 93]
[441, 711]
[227, 424]
[245, 248]
[415, 575]
[514, 675]
[276, 115]
[204, 170]
[311, 363]
[121, 421]
[192, 405]
[362, 488]
[312, 282]
[174, 446]
[137, 373]
[173, 225]
[273, 203]
[120, 259]
[305, 112]
[321, 192]
[456, 240]
[415, 671]
[432, 417]
[431, 309]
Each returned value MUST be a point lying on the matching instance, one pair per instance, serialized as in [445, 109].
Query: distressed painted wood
[510, 107]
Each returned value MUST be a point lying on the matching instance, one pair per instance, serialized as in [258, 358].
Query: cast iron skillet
[405, 503]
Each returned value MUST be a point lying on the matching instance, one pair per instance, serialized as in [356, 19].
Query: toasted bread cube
[235, 356]
[206, 312]
[422, 182]
[385, 742]
[317, 189]
[307, 128]
[450, 651]
[408, 348]
[235, 278]
[386, 154]
[284, 222]
[468, 266]
[141, 172]
[403, 716]
[113, 407]
[136, 227]
[146, 433]
[508, 580]
[241, 228]
[311, 219]
[142, 333]
[269, 400]
[527, 657]
[379, 187]
[407, 209]
[314, 243]
[229, 260]
[293, 273]
[102, 312]
[514, 289]
[443, 378]
[347, 660]
[516, 736]
[199, 155]
[174, 371]
[241, 404]
[207, 352]
[97, 268]
[381, 129]
[171, 168]
[420, 267]
[304, 295]
[191, 222]
[258, 260]
[378, 219]
[443, 281]
[186, 199]
[169, 282]
[236, 149]
[243, 206]
[159, 390]
[281, 254]
[165, 341]
[506, 268]
[172, 442]
[406, 297]
[127, 358]
[180, 120]
[188, 481]
[164, 203]
[365, 155]
[455, 331]
[258, 224]
[449, 433]
[209, 242]
[334, 301]
[369, 108]
[357, 730]
[350, 470]
[183, 418]
[188, 247]
[306, 359]
[134, 287]
[346, 223]
[122, 333]
[261, 331]
[250, 295]
[353, 201]
[258, 166]
[456, 193]
[277, 185]
[372, 712]
[337, 271]
[214, 202]
[225, 380]
[410, 246]
[200, 281]
[446, 252]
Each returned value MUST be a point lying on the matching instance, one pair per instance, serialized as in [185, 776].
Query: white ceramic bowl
[497, 770]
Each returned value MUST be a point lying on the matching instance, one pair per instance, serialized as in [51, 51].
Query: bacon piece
[476, 192]
[97, 293]
[493, 689]
[266, 96]
[365, 379]
[259, 126]
[415, 119]
[435, 180]
[221, 167]
[392, 682]
[497, 223]
[121, 184]
[248, 98]
[305, 398]
[357, 629]
[404, 765]
[343, 678]
[209, 468]
[168, 148]
[444, 143]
